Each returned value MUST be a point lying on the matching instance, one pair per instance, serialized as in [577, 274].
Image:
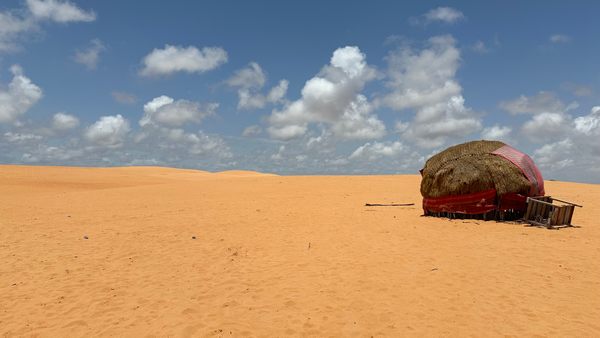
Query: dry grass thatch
[469, 168]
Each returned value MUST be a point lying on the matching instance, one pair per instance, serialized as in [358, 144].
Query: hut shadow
[479, 219]
[552, 227]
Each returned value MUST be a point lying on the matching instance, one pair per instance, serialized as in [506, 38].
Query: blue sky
[298, 88]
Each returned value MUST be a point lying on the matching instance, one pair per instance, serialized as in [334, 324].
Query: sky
[306, 87]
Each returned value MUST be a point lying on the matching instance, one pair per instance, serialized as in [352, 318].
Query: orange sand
[279, 256]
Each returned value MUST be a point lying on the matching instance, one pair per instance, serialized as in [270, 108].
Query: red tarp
[476, 203]
[525, 163]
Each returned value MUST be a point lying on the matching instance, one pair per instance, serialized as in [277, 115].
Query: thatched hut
[479, 179]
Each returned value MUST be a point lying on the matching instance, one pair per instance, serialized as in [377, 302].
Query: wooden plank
[577, 205]
[551, 217]
[536, 209]
[528, 212]
[542, 202]
[571, 210]
[561, 215]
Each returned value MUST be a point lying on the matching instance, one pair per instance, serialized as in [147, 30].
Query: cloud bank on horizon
[190, 97]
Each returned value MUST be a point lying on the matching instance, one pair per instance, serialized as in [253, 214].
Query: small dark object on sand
[388, 205]
[193, 237]
[85, 237]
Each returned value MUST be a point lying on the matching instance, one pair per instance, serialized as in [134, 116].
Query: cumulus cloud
[252, 131]
[167, 111]
[496, 132]
[63, 122]
[123, 97]
[108, 131]
[20, 95]
[252, 76]
[249, 81]
[589, 125]
[358, 121]
[425, 81]
[162, 131]
[332, 97]
[559, 38]
[11, 27]
[90, 56]
[249, 99]
[444, 14]
[13, 137]
[59, 11]
[574, 151]
[419, 79]
[545, 126]
[553, 156]
[542, 102]
[172, 59]
[17, 23]
[375, 150]
[198, 143]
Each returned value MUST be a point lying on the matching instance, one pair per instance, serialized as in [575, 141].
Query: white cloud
[444, 14]
[559, 38]
[11, 27]
[123, 97]
[375, 150]
[573, 151]
[62, 122]
[280, 154]
[332, 97]
[425, 81]
[250, 77]
[277, 93]
[197, 143]
[555, 156]
[287, 132]
[358, 122]
[544, 127]
[250, 99]
[20, 95]
[90, 56]
[424, 78]
[175, 113]
[252, 131]
[172, 59]
[16, 24]
[480, 47]
[589, 124]
[542, 102]
[496, 132]
[578, 89]
[44, 153]
[59, 11]
[108, 131]
[21, 137]
[249, 81]
[435, 124]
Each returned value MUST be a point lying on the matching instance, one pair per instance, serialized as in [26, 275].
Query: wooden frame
[542, 211]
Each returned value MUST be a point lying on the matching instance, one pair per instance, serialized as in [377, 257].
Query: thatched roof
[470, 168]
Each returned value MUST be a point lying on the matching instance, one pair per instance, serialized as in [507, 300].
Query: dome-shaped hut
[479, 179]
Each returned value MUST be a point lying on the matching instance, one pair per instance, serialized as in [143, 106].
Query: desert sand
[160, 252]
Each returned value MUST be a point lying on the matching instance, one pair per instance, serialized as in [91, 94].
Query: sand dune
[146, 251]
